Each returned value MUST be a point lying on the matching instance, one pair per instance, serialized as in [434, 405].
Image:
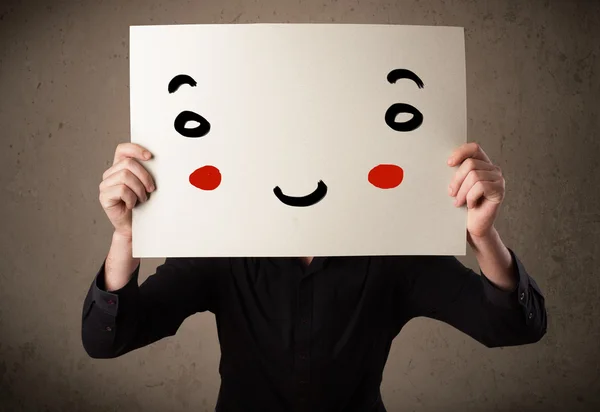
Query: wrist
[494, 259]
[122, 237]
[490, 248]
[489, 239]
[120, 265]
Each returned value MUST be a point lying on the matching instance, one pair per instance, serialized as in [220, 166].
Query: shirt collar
[317, 263]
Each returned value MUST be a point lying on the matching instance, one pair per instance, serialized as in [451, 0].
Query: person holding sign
[276, 169]
[310, 333]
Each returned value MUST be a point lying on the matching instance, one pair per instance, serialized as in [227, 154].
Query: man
[310, 334]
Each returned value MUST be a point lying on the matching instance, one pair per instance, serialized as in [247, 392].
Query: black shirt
[308, 338]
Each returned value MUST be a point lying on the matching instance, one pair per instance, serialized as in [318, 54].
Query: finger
[488, 190]
[125, 177]
[131, 150]
[472, 178]
[113, 195]
[465, 168]
[475, 194]
[465, 151]
[134, 167]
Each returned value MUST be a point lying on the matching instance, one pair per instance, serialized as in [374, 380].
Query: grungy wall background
[533, 103]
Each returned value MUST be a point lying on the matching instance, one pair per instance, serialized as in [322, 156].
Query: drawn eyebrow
[398, 74]
[179, 80]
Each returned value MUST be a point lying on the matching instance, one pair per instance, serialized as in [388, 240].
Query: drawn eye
[181, 121]
[186, 116]
[397, 108]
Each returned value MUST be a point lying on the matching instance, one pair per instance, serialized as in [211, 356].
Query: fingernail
[151, 188]
[450, 190]
[449, 161]
[146, 154]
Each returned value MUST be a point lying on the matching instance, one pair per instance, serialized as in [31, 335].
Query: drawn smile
[302, 201]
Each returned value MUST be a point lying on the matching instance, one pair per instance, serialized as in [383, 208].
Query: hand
[124, 184]
[480, 184]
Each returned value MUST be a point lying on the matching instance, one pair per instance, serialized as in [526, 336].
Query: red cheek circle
[206, 178]
[386, 176]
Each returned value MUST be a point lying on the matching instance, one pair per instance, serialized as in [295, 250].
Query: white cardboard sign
[298, 139]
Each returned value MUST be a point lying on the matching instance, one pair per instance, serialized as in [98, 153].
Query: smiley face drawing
[383, 176]
[298, 139]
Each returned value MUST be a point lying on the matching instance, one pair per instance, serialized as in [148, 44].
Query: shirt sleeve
[442, 288]
[117, 322]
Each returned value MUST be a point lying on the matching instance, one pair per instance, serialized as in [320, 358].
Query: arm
[494, 260]
[442, 288]
[120, 316]
[503, 306]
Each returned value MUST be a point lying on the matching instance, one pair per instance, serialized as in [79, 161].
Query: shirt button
[110, 302]
[304, 321]
[303, 355]
[522, 296]
[303, 382]
[108, 328]
[530, 315]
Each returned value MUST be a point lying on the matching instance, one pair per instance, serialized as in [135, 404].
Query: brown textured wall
[533, 102]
